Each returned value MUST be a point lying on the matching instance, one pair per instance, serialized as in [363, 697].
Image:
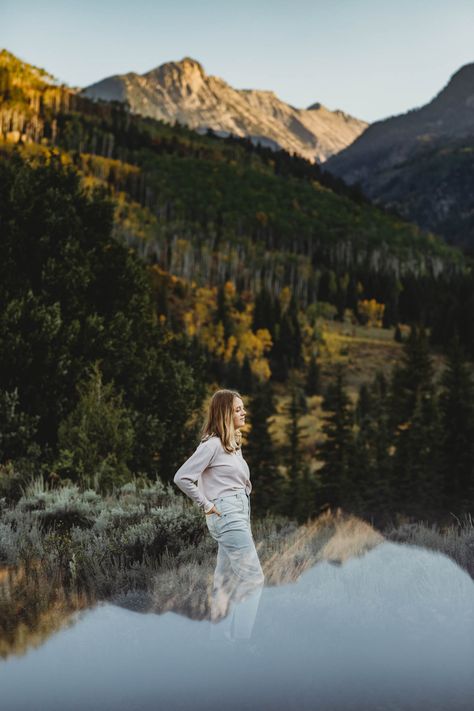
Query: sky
[370, 58]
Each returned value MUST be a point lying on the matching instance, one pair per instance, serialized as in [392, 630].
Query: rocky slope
[182, 91]
[421, 163]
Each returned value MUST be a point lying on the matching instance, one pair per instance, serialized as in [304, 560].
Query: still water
[390, 630]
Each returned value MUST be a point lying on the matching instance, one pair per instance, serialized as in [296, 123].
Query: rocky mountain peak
[186, 66]
[419, 163]
[464, 76]
[187, 72]
[193, 63]
[181, 90]
[460, 87]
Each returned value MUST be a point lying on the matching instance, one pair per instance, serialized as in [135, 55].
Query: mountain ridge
[420, 163]
[182, 91]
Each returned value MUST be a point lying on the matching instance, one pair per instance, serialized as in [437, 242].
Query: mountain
[210, 210]
[421, 163]
[182, 91]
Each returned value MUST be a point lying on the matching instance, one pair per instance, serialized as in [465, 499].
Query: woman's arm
[191, 470]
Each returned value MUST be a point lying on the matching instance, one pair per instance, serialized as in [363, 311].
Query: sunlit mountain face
[182, 91]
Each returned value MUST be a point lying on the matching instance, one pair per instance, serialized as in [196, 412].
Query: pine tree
[415, 374]
[264, 312]
[313, 377]
[246, 377]
[296, 357]
[415, 424]
[261, 453]
[371, 462]
[380, 497]
[364, 404]
[300, 486]
[96, 439]
[307, 495]
[457, 416]
[416, 466]
[341, 297]
[293, 449]
[287, 347]
[223, 311]
[336, 450]
[391, 311]
[19, 452]
[17, 429]
[360, 493]
[162, 299]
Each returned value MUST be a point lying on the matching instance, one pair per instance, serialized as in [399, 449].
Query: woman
[223, 492]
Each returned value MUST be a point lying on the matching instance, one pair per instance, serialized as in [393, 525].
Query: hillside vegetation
[144, 266]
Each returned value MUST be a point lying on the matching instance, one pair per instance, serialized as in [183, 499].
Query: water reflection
[391, 628]
[34, 606]
[238, 578]
[236, 592]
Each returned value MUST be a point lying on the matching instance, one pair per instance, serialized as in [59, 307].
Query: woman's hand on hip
[213, 510]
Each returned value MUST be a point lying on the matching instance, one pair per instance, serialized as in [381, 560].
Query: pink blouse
[216, 472]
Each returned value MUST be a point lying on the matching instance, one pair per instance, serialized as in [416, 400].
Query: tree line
[85, 363]
[100, 379]
[406, 448]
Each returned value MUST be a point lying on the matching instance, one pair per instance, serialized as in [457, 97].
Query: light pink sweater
[216, 471]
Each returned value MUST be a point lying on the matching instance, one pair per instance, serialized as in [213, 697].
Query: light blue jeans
[238, 577]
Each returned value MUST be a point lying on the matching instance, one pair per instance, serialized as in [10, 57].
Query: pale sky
[370, 58]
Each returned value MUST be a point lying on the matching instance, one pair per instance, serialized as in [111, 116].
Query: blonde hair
[220, 420]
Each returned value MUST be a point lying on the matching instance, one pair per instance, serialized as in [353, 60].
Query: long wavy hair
[220, 420]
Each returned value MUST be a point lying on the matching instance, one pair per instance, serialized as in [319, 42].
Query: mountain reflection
[34, 606]
[346, 620]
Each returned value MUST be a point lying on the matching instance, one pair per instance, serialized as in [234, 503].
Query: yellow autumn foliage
[371, 311]
[241, 343]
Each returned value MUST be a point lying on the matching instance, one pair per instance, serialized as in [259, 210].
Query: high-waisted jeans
[238, 577]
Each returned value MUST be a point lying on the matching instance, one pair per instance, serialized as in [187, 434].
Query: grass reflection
[63, 550]
[33, 606]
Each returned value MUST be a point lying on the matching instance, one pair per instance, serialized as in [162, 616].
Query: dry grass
[332, 536]
[363, 350]
[456, 540]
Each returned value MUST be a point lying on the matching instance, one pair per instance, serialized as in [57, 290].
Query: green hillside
[213, 209]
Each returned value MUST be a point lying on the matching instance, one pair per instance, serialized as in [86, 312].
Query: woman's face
[239, 413]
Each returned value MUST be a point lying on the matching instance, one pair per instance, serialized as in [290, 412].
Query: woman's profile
[223, 493]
